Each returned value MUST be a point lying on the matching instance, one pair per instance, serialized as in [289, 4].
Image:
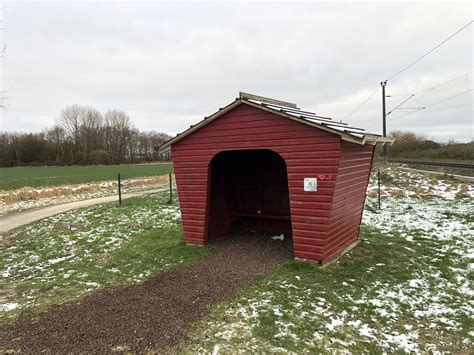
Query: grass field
[65, 256]
[407, 286]
[33, 176]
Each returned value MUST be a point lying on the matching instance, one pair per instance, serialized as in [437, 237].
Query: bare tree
[82, 135]
[70, 121]
[56, 137]
[91, 124]
[118, 133]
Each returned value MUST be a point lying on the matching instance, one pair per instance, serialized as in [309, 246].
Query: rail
[433, 163]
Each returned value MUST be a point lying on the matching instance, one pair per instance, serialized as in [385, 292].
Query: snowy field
[31, 197]
[403, 183]
[406, 287]
[65, 256]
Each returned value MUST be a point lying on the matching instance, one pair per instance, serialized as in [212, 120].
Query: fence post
[171, 187]
[378, 188]
[119, 189]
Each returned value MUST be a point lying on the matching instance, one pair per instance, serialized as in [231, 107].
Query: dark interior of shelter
[249, 193]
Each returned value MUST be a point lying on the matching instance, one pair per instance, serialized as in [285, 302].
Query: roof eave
[167, 146]
[374, 140]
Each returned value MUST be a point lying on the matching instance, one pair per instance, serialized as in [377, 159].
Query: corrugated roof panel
[315, 117]
[309, 116]
[345, 129]
[291, 111]
[340, 126]
[358, 135]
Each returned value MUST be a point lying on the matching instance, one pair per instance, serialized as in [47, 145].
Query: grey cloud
[167, 65]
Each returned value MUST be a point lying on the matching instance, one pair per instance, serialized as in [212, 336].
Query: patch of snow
[58, 260]
[407, 342]
[8, 306]
[366, 331]
[335, 322]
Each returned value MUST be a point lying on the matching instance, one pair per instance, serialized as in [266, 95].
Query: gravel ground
[154, 315]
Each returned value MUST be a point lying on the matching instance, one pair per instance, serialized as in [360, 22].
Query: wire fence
[121, 185]
[391, 182]
[460, 170]
[158, 183]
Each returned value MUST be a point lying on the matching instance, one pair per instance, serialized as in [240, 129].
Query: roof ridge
[247, 96]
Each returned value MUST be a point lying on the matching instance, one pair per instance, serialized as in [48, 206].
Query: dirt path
[17, 219]
[153, 315]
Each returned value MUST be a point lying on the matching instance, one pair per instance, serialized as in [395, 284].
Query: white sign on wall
[310, 184]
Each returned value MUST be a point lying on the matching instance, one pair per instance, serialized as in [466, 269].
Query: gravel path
[18, 219]
[154, 315]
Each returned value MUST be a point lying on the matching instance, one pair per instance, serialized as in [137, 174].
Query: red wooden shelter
[265, 165]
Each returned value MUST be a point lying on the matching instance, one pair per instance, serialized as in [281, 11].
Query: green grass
[407, 286]
[13, 178]
[65, 256]
[402, 285]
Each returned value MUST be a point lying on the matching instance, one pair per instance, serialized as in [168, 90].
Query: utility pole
[384, 123]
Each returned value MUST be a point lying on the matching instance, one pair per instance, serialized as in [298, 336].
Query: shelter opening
[249, 192]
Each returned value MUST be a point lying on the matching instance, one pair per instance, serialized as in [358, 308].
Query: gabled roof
[291, 111]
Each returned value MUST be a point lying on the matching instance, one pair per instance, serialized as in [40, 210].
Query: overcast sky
[169, 64]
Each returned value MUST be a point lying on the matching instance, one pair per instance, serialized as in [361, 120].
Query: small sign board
[311, 184]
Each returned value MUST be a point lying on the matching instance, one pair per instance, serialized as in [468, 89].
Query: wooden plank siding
[349, 198]
[323, 222]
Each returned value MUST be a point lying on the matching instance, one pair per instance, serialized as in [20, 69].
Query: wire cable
[436, 103]
[411, 96]
[363, 103]
[446, 82]
[400, 104]
[430, 51]
[408, 66]
[466, 75]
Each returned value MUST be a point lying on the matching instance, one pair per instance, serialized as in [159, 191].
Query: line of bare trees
[82, 135]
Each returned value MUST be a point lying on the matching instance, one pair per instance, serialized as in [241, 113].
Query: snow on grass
[403, 183]
[407, 287]
[28, 197]
[8, 306]
[63, 256]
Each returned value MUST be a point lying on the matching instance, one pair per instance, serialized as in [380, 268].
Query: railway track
[467, 166]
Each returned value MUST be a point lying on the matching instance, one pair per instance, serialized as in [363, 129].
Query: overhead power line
[424, 92]
[363, 103]
[445, 83]
[408, 66]
[400, 104]
[449, 98]
[435, 87]
[436, 103]
[430, 51]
